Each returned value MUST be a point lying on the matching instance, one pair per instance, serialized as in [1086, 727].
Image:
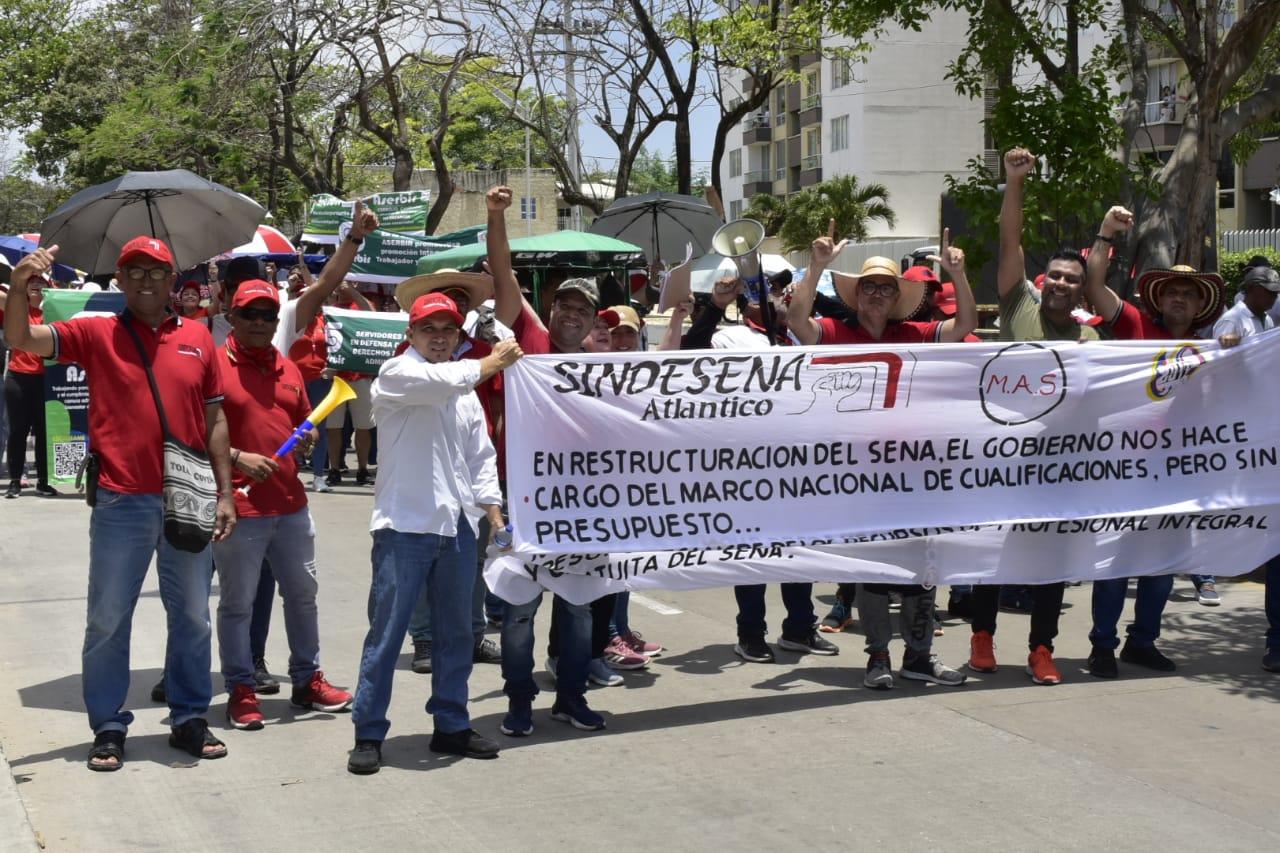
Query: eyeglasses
[266, 315]
[881, 288]
[155, 273]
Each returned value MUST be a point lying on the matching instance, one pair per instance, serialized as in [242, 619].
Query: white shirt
[1274, 313]
[1239, 320]
[435, 458]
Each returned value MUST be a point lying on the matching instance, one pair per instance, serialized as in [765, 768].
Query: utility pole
[571, 101]
[528, 180]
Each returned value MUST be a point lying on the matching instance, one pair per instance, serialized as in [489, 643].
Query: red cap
[1039, 282]
[921, 273]
[945, 299]
[145, 247]
[253, 290]
[430, 304]
[609, 316]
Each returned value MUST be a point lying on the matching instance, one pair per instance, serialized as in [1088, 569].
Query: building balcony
[811, 170]
[756, 133]
[794, 149]
[793, 97]
[810, 57]
[754, 183]
[811, 111]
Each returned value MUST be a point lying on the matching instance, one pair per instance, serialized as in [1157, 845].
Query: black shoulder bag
[190, 490]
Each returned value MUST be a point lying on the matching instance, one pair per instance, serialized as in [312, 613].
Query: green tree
[769, 210]
[851, 204]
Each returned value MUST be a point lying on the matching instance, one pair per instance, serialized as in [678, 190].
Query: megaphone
[740, 241]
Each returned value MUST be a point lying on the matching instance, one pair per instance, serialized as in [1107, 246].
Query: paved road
[702, 750]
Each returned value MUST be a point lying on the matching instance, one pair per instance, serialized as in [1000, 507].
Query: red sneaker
[641, 646]
[1041, 668]
[982, 652]
[319, 695]
[243, 710]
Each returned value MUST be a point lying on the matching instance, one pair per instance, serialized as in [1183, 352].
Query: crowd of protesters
[238, 367]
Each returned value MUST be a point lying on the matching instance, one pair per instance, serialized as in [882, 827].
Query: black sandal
[193, 736]
[108, 744]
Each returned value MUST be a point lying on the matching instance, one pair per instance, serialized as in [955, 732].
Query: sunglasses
[881, 288]
[266, 315]
[155, 274]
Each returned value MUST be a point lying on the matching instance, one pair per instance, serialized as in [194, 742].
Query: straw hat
[1212, 290]
[911, 294]
[478, 286]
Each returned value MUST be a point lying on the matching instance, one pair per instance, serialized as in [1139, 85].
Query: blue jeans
[402, 563]
[1198, 580]
[288, 543]
[125, 531]
[260, 622]
[1148, 608]
[1273, 603]
[317, 389]
[620, 624]
[796, 597]
[420, 620]
[517, 649]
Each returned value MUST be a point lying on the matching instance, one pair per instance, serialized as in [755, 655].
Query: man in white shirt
[439, 477]
[1251, 315]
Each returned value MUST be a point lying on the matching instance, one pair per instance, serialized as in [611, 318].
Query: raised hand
[34, 265]
[1018, 163]
[363, 221]
[498, 199]
[950, 257]
[825, 249]
[1117, 221]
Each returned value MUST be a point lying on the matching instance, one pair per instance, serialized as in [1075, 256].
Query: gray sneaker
[879, 672]
[1208, 595]
[930, 668]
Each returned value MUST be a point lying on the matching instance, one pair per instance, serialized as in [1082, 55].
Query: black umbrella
[662, 223]
[196, 218]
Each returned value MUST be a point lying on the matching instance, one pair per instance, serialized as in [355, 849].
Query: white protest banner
[667, 451]
[1222, 542]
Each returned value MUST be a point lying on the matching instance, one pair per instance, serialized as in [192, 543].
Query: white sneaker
[319, 485]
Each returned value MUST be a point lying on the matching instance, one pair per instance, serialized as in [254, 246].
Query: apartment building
[891, 119]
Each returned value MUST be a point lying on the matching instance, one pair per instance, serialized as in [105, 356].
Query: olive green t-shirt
[1022, 320]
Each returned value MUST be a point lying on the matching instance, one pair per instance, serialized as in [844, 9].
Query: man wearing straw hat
[1175, 303]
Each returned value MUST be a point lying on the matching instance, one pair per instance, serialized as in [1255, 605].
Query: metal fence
[1243, 241]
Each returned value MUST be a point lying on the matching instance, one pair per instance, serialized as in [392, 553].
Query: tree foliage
[850, 203]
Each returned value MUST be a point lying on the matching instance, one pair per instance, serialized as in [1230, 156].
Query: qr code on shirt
[67, 456]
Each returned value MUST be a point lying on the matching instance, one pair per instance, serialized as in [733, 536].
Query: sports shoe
[365, 758]
[1102, 663]
[1207, 594]
[755, 650]
[638, 644]
[486, 651]
[879, 675]
[319, 695]
[519, 719]
[468, 743]
[811, 643]
[1271, 660]
[14, 490]
[1041, 668]
[600, 673]
[320, 484]
[619, 655]
[363, 479]
[837, 620]
[158, 694]
[421, 662]
[44, 490]
[574, 711]
[243, 710]
[333, 478]
[930, 668]
[982, 652]
[264, 682]
[1146, 656]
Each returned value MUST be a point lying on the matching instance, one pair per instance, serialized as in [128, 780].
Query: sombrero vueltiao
[911, 294]
[1211, 287]
[478, 285]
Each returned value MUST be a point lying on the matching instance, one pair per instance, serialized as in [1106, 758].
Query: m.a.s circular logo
[1171, 368]
[1022, 383]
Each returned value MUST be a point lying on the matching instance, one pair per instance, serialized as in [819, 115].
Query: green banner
[360, 341]
[400, 213]
[389, 258]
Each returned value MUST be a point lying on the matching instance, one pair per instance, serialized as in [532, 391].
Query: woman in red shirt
[24, 402]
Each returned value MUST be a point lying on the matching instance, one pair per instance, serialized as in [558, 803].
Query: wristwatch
[1103, 237]
[357, 240]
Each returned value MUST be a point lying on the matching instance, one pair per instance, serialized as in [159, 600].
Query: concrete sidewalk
[702, 750]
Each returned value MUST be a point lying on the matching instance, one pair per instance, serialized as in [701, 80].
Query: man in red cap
[126, 527]
[265, 399]
[440, 477]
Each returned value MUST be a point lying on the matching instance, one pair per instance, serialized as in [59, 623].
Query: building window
[840, 133]
[780, 158]
[841, 72]
[528, 208]
[813, 143]
[735, 163]
[735, 209]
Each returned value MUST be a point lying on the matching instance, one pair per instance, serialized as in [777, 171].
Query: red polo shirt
[895, 332]
[529, 332]
[263, 407]
[310, 350]
[25, 362]
[1134, 325]
[124, 427]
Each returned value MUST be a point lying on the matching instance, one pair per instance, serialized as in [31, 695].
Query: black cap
[242, 269]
